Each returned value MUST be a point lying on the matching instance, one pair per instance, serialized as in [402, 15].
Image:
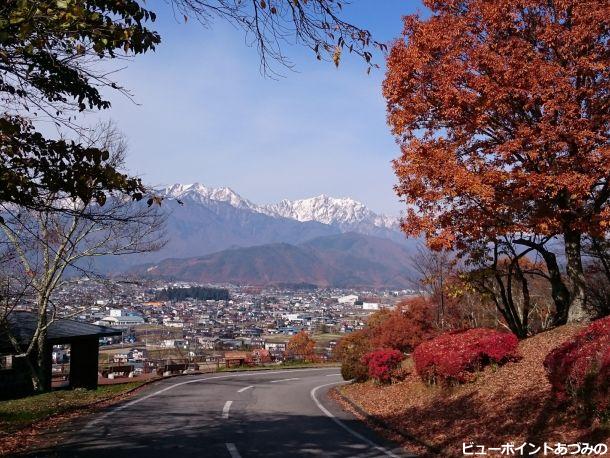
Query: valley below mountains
[342, 260]
[214, 235]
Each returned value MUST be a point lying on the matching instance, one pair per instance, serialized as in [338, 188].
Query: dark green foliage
[41, 43]
[194, 292]
[32, 166]
[47, 49]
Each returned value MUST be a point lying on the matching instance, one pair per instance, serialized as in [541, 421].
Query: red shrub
[580, 368]
[382, 363]
[455, 356]
[403, 328]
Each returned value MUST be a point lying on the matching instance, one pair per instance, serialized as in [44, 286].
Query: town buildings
[256, 320]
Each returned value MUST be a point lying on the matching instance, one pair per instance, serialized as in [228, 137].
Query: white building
[370, 306]
[349, 299]
[275, 346]
[120, 322]
[173, 343]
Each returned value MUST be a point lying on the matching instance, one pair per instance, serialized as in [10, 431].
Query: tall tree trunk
[559, 291]
[31, 360]
[525, 293]
[577, 311]
[35, 373]
[42, 364]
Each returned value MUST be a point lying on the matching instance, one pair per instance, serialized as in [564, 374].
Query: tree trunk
[525, 293]
[35, 373]
[39, 361]
[577, 312]
[42, 367]
[559, 291]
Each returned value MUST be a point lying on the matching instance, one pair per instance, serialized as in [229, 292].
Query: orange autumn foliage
[404, 327]
[501, 110]
[301, 347]
[349, 351]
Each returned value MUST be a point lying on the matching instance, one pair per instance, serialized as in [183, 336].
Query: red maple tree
[501, 111]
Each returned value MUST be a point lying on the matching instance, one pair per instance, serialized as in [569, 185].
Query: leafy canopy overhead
[47, 49]
[501, 111]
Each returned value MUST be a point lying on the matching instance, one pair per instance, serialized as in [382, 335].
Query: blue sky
[206, 114]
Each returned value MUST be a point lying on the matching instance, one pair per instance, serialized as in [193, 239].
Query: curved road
[247, 414]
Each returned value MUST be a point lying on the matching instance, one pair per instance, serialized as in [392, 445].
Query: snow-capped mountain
[202, 194]
[202, 220]
[344, 213]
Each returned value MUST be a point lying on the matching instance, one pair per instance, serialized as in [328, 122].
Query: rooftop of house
[22, 325]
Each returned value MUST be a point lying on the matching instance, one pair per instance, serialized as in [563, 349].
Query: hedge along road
[245, 414]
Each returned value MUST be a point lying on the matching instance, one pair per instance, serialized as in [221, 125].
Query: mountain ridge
[339, 260]
[346, 213]
[202, 220]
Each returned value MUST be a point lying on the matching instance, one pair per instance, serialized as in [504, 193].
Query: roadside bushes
[350, 351]
[404, 327]
[401, 329]
[455, 356]
[382, 363]
[579, 370]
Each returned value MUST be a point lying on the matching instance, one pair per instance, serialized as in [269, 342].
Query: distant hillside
[202, 220]
[197, 229]
[343, 260]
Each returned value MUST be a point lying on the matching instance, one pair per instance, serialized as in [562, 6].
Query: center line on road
[333, 375]
[284, 380]
[232, 450]
[225, 409]
[115, 410]
[241, 390]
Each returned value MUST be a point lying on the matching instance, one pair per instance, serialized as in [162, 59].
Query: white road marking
[312, 393]
[233, 450]
[175, 385]
[333, 375]
[225, 409]
[284, 380]
[241, 390]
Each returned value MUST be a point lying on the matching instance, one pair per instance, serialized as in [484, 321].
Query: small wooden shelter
[83, 338]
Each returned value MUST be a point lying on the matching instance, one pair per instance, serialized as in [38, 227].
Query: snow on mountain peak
[201, 194]
[342, 211]
[345, 212]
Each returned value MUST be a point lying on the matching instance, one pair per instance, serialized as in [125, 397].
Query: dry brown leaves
[508, 404]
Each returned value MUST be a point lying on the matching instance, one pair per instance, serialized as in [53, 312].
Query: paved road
[246, 414]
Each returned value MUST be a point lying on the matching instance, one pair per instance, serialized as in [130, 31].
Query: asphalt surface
[247, 414]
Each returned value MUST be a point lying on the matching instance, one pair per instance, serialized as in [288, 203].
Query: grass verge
[17, 414]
